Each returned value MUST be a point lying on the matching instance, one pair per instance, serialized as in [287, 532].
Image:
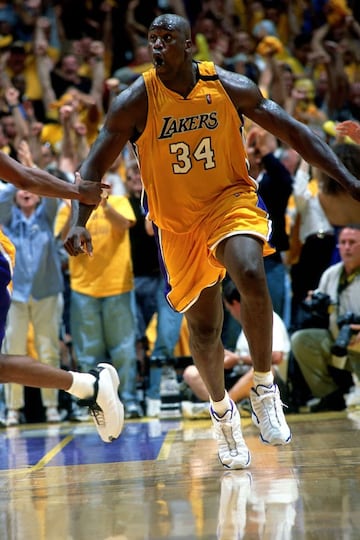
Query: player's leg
[205, 319]
[190, 286]
[98, 389]
[242, 256]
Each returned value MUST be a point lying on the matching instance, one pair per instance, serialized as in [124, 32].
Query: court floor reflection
[162, 480]
[263, 505]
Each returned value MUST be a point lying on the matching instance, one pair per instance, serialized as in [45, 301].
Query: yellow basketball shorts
[188, 260]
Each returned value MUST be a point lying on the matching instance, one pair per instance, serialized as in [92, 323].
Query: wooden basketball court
[162, 480]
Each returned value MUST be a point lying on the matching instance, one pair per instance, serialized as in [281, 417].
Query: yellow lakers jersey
[191, 151]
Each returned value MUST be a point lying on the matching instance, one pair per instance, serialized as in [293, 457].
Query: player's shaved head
[171, 22]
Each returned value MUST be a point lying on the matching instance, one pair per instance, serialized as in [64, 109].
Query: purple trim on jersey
[262, 205]
[144, 202]
[167, 287]
[5, 299]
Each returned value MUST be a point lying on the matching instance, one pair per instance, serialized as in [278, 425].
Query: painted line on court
[166, 446]
[43, 461]
[51, 454]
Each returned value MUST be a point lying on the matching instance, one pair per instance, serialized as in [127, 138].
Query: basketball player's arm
[249, 101]
[125, 118]
[43, 183]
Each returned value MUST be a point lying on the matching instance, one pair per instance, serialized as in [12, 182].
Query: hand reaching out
[349, 128]
[24, 154]
[90, 192]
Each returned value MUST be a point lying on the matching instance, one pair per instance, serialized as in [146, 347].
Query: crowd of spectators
[62, 63]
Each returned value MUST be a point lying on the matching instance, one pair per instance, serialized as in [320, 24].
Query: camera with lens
[317, 308]
[318, 303]
[340, 346]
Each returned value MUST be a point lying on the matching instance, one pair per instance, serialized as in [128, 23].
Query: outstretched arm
[309, 145]
[45, 184]
[249, 101]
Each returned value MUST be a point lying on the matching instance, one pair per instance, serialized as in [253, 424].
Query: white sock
[220, 407]
[264, 378]
[82, 386]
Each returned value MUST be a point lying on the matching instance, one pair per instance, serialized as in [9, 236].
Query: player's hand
[90, 193]
[349, 128]
[78, 241]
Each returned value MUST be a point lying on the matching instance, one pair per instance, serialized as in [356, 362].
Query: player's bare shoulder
[244, 93]
[130, 106]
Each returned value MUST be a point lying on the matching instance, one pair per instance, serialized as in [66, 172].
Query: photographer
[328, 357]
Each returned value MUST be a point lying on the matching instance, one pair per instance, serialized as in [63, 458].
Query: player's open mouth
[158, 61]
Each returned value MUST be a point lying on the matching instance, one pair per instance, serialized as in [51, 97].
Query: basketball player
[98, 388]
[184, 119]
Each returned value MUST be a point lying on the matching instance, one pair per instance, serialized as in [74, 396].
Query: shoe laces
[230, 440]
[275, 402]
[97, 414]
[227, 430]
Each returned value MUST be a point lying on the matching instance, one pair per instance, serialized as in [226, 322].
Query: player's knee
[204, 337]
[252, 272]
